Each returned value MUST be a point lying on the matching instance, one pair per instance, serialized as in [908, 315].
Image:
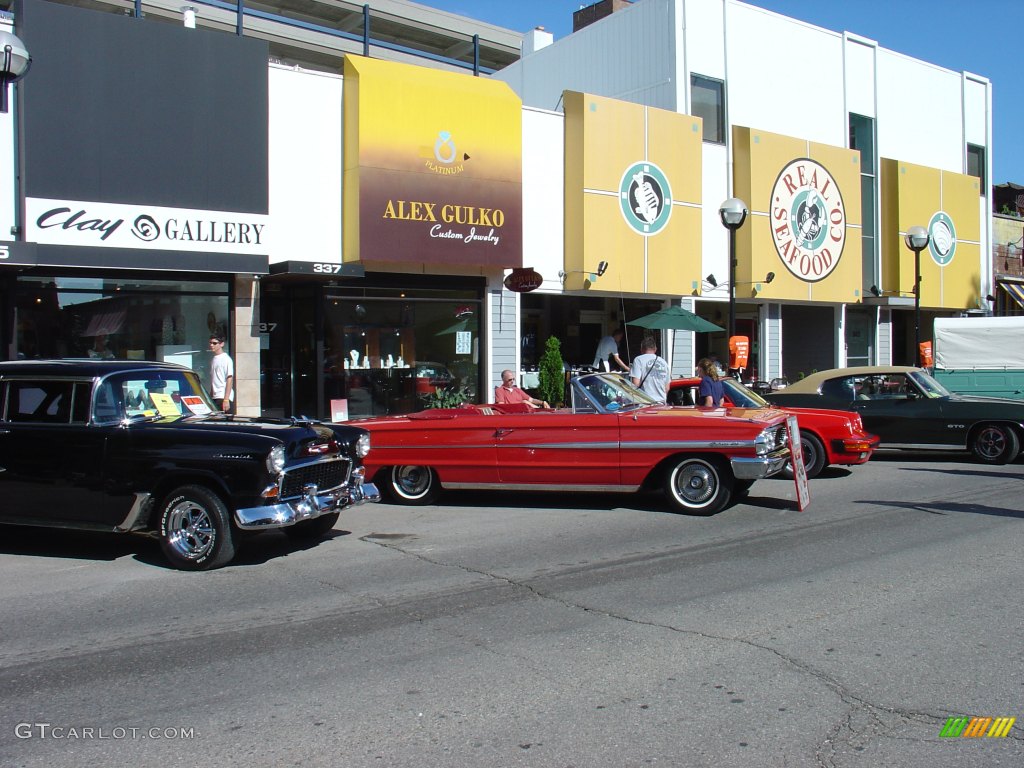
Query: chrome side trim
[134, 521]
[602, 446]
[688, 444]
[543, 487]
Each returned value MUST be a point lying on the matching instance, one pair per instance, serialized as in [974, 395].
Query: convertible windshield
[743, 397]
[609, 392]
[929, 385]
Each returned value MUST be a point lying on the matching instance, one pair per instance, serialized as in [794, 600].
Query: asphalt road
[540, 630]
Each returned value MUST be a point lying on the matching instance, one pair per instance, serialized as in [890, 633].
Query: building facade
[351, 209]
[829, 148]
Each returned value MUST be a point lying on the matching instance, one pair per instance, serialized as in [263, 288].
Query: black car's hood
[258, 433]
[957, 397]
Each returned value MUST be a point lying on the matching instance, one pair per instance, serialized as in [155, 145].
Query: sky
[983, 37]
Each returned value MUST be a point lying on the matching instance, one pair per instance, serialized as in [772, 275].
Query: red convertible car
[611, 438]
[826, 436]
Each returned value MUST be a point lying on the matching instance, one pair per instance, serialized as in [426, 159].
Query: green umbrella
[676, 319]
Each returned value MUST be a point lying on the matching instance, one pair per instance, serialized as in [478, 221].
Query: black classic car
[128, 446]
[909, 409]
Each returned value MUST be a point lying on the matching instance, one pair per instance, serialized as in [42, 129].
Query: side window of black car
[838, 389]
[47, 402]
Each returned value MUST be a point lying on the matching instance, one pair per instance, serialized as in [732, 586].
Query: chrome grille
[325, 475]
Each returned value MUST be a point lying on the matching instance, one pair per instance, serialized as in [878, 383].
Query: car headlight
[362, 445]
[766, 442]
[276, 459]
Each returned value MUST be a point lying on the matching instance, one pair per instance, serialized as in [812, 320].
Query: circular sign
[645, 198]
[523, 280]
[941, 238]
[808, 220]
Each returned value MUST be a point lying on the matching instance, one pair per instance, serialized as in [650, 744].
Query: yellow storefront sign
[805, 217]
[433, 167]
[632, 196]
[947, 205]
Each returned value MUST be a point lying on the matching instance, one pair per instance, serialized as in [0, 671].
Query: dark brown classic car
[126, 446]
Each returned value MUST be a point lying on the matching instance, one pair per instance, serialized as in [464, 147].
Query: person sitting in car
[507, 393]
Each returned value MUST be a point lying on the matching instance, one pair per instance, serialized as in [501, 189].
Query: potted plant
[552, 373]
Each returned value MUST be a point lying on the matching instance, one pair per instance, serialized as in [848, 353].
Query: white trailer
[980, 355]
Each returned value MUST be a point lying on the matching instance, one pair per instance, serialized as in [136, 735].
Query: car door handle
[5, 431]
[502, 432]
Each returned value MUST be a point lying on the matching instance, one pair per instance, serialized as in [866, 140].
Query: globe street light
[14, 63]
[733, 212]
[917, 240]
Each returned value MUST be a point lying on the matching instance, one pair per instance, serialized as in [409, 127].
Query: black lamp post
[733, 213]
[917, 240]
[14, 64]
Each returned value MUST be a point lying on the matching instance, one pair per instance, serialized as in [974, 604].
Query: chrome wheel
[190, 531]
[699, 486]
[815, 458]
[195, 529]
[412, 484]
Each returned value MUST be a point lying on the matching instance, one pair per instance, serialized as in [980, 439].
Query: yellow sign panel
[433, 166]
[948, 206]
[632, 196]
[805, 218]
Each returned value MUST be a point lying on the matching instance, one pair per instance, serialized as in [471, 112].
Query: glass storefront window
[388, 351]
[126, 318]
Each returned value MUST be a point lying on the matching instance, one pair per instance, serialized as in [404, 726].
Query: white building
[758, 79]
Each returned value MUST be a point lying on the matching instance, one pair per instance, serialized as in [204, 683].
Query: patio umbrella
[675, 319]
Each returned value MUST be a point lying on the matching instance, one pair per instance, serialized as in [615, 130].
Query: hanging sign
[524, 280]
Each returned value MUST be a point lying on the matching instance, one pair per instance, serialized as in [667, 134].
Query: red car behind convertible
[826, 436]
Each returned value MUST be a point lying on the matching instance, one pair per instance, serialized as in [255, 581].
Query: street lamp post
[917, 240]
[14, 63]
[733, 212]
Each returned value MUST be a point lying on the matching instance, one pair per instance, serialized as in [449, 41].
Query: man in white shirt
[650, 372]
[607, 354]
[222, 374]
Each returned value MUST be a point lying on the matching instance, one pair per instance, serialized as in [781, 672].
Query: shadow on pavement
[950, 507]
[65, 544]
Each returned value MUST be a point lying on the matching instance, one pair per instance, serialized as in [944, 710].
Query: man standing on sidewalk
[222, 374]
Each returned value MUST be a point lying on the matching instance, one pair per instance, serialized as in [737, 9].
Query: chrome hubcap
[696, 484]
[190, 531]
[412, 481]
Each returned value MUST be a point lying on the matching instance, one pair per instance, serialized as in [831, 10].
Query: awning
[1016, 291]
[105, 323]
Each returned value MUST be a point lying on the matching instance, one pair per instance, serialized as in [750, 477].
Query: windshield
[150, 394]
[743, 397]
[609, 392]
[928, 384]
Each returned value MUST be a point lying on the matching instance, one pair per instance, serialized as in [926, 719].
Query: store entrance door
[860, 336]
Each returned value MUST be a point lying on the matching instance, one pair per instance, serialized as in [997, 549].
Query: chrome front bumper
[312, 505]
[759, 467]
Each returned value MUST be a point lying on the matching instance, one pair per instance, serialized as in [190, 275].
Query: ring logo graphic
[645, 198]
[145, 228]
[941, 238]
[976, 727]
[808, 220]
[443, 158]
